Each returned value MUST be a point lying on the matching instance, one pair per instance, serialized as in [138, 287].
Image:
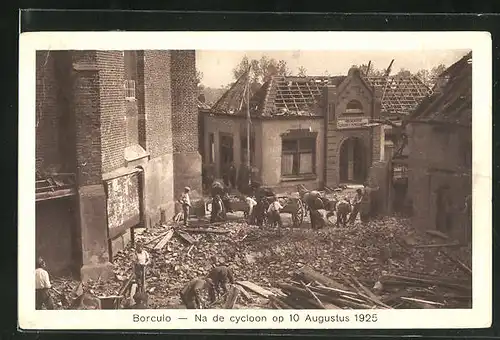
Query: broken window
[298, 156]
[354, 107]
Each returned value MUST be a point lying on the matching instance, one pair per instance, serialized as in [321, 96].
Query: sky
[217, 66]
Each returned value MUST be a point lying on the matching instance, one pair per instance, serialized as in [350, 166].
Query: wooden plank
[456, 244]
[155, 239]
[185, 237]
[245, 294]
[313, 295]
[279, 303]
[255, 288]
[374, 298]
[409, 280]
[335, 290]
[310, 274]
[460, 264]
[232, 297]
[164, 240]
[126, 285]
[437, 233]
[422, 301]
[205, 230]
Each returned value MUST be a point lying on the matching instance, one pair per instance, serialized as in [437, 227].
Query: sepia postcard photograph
[204, 180]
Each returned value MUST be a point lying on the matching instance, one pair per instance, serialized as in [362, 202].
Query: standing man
[42, 286]
[251, 205]
[274, 212]
[141, 260]
[356, 205]
[367, 206]
[185, 201]
[232, 175]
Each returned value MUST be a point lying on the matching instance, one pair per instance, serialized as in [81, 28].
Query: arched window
[354, 107]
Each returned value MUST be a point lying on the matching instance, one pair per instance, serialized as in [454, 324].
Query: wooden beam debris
[232, 297]
[185, 237]
[437, 233]
[206, 230]
[441, 245]
[255, 288]
[155, 240]
[460, 264]
[313, 295]
[161, 244]
[310, 275]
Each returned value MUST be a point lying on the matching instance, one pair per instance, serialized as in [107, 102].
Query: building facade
[440, 155]
[313, 131]
[117, 140]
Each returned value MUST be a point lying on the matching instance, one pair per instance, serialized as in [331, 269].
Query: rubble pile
[416, 290]
[385, 253]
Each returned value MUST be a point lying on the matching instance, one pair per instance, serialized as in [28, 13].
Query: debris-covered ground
[386, 257]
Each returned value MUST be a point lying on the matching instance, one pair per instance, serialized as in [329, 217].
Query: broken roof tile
[453, 103]
[301, 96]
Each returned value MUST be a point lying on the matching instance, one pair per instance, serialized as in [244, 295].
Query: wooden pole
[248, 118]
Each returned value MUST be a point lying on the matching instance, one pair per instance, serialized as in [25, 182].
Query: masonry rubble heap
[383, 264]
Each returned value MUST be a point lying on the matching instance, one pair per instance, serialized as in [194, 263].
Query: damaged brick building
[116, 141]
[440, 154]
[313, 131]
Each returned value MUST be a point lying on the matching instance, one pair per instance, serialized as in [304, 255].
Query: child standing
[185, 201]
[141, 261]
[42, 286]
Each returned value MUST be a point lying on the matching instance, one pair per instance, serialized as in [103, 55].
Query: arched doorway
[352, 161]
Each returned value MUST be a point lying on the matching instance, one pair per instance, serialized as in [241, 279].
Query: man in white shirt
[251, 204]
[185, 201]
[274, 212]
[141, 260]
[42, 286]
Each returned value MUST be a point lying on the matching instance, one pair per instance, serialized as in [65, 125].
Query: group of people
[346, 210]
[198, 293]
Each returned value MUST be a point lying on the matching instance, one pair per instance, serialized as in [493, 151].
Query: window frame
[299, 149]
[130, 93]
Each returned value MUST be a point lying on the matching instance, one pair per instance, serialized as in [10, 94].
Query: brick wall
[187, 159]
[112, 106]
[86, 108]
[184, 102]
[157, 102]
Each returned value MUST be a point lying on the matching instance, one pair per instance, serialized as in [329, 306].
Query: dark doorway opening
[352, 162]
[443, 209]
[226, 153]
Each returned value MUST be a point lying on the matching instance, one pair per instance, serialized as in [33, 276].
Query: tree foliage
[302, 72]
[261, 70]
[264, 68]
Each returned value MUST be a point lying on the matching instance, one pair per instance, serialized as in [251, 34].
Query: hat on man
[187, 188]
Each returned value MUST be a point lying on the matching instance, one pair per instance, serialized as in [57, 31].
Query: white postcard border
[479, 316]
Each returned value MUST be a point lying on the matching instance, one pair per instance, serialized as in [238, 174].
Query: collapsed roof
[453, 102]
[301, 96]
